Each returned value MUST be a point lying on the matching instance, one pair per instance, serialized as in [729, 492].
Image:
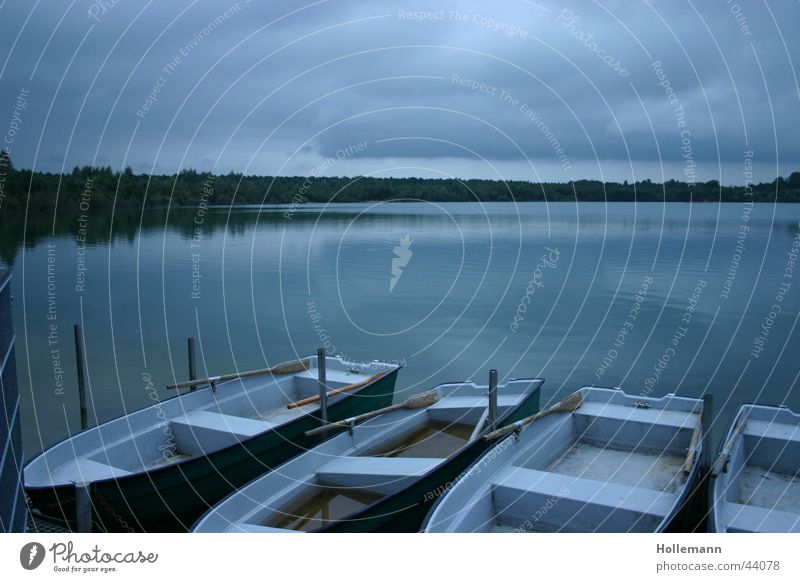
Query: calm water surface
[653, 298]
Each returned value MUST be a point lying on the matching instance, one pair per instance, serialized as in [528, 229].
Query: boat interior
[612, 465]
[195, 424]
[761, 488]
[380, 458]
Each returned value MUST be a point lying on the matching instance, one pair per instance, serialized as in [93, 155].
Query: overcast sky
[510, 89]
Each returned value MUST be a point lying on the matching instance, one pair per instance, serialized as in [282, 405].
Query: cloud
[450, 85]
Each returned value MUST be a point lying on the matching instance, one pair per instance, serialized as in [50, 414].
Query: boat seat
[384, 475]
[648, 416]
[749, 518]
[772, 430]
[468, 409]
[202, 432]
[580, 504]
[86, 470]
[308, 382]
[253, 528]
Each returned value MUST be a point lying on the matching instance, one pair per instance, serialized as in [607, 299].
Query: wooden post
[192, 371]
[83, 507]
[81, 376]
[708, 418]
[492, 400]
[323, 387]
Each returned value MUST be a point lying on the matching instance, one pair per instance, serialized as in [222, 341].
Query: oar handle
[568, 404]
[352, 420]
[724, 456]
[689, 461]
[286, 368]
[417, 401]
[315, 398]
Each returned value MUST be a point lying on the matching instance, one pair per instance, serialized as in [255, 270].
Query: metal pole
[708, 419]
[492, 399]
[83, 507]
[81, 376]
[323, 386]
[192, 373]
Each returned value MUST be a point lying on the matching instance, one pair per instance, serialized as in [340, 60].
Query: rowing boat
[380, 475]
[599, 460]
[755, 482]
[159, 468]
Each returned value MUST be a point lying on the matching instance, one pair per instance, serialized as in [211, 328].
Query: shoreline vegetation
[101, 187]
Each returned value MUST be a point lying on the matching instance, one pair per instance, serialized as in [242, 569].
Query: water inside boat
[768, 489]
[328, 504]
[434, 439]
[661, 471]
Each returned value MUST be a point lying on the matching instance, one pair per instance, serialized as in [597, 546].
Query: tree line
[101, 187]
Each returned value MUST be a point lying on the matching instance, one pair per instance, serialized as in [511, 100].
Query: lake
[654, 298]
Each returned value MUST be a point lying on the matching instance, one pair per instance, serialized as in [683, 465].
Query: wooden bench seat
[749, 518]
[384, 475]
[521, 495]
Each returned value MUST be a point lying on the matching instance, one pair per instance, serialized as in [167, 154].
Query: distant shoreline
[86, 189]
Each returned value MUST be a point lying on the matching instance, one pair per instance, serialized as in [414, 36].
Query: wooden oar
[569, 404]
[698, 428]
[417, 401]
[311, 399]
[719, 464]
[280, 369]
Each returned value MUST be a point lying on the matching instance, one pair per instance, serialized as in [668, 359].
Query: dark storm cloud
[276, 87]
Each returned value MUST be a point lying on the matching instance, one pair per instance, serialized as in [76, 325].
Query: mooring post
[81, 376]
[83, 507]
[192, 372]
[492, 399]
[323, 386]
[708, 419]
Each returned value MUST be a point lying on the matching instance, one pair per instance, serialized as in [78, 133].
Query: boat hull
[173, 497]
[405, 511]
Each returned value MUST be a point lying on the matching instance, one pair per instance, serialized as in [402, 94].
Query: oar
[417, 401]
[698, 428]
[280, 369]
[311, 399]
[569, 404]
[719, 464]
